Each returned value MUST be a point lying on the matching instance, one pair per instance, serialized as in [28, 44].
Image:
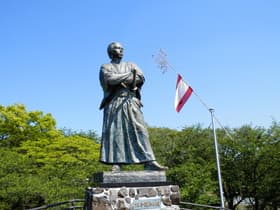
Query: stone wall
[133, 198]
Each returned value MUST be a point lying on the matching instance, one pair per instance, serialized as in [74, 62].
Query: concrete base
[129, 178]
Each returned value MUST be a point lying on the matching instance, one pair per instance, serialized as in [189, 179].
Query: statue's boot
[154, 166]
[116, 168]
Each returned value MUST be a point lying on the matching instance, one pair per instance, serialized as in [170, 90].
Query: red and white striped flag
[183, 92]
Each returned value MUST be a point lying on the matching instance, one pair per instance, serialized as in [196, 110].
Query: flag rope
[164, 65]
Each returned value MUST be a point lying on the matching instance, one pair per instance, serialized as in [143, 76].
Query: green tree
[65, 164]
[19, 189]
[90, 134]
[18, 125]
[250, 164]
[190, 157]
[39, 164]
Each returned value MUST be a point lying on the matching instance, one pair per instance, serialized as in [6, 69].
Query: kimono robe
[125, 138]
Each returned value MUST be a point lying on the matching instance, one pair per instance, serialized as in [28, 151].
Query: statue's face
[116, 50]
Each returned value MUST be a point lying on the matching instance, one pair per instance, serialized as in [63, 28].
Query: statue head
[115, 50]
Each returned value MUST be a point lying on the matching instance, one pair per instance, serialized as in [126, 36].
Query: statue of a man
[125, 138]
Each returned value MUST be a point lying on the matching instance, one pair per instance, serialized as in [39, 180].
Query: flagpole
[217, 160]
[164, 65]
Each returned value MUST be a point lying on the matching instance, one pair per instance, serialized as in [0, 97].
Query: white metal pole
[217, 160]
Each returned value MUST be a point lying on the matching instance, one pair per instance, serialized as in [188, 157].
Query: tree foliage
[18, 125]
[249, 163]
[251, 166]
[41, 164]
[189, 155]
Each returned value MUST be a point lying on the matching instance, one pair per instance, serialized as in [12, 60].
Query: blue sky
[228, 51]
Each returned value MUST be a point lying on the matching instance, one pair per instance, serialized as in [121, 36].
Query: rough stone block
[133, 198]
[132, 190]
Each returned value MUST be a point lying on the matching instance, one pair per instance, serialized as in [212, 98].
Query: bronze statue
[125, 138]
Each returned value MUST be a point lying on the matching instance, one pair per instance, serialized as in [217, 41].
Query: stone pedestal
[134, 190]
[130, 178]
